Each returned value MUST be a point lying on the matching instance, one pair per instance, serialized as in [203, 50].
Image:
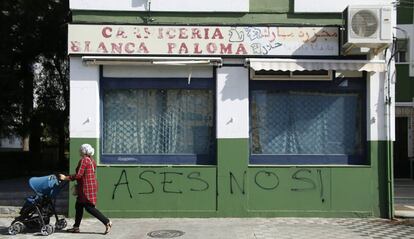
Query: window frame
[355, 85]
[290, 75]
[196, 83]
[406, 53]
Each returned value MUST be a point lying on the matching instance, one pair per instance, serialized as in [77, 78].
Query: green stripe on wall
[275, 6]
[235, 189]
[260, 12]
[232, 161]
[381, 156]
[112, 17]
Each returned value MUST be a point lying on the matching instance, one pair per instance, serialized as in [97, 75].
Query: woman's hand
[62, 177]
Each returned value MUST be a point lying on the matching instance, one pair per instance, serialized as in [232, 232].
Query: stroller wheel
[15, 228]
[47, 230]
[60, 224]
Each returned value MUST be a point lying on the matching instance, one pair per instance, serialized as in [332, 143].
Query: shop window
[158, 121]
[307, 122]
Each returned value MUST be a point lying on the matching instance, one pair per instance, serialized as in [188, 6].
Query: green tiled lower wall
[235, 189]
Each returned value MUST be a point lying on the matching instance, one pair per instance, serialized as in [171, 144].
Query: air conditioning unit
[367, 26]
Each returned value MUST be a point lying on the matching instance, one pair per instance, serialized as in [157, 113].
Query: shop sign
[202, 40]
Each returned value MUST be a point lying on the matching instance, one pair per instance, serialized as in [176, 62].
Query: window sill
[158, 165]
[309, 166]
[308, 160]
[156, 160]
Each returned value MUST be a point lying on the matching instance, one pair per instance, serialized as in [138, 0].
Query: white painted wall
[84, 100]
[232, 102]
[162, 5]
[376, 108]
[158, 71]
[380, 118]
[306, 6]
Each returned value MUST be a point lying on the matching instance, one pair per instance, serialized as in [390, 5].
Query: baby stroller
[38, 209]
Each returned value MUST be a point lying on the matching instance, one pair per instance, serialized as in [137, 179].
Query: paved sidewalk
[235, 228]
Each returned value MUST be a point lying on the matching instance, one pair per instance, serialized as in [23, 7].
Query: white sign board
[202, 40]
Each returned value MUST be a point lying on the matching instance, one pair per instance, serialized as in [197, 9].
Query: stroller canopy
[45, 186]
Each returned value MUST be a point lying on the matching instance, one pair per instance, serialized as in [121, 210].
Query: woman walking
[86, 189]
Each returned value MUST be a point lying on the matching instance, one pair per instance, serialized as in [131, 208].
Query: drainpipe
[389, 103]
[389, 75]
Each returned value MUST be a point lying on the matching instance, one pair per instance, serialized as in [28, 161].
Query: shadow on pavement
[35, 232]
[3, 230]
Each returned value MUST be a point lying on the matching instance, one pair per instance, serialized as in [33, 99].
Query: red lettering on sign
[107, 32]
[171, 46]
[183, 33]
[206, 30]
[116, 48]
[211, 48]
[217, 34]
[225, 49]
[241, 49]
[102, 48]
[183, 48]
[87, 46]
[160, 31]
[147, 32]
[143, 48]
[137, 33]
[170, 33]
[129, 47]
[75, 46]
[121, 33]
[197, 49]
[196, 33]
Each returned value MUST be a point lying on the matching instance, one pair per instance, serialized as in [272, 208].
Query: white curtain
[157, 121]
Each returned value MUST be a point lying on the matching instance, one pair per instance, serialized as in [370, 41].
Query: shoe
[73, 230]
[108, 227]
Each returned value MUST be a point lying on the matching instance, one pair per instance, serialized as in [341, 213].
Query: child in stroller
[38, 209]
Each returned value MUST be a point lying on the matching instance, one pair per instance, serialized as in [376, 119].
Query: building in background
[404, 144]
[235, 108]
[11, 143]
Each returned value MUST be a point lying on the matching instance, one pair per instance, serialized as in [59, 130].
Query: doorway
[403, 184]
[401, 161]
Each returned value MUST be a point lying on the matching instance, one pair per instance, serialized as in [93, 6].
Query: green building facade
[404, 144]
[186, 128]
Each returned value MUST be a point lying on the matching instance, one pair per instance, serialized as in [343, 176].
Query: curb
[9, 211]
[404, 214]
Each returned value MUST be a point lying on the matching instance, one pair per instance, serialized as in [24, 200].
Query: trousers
[91, 209]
